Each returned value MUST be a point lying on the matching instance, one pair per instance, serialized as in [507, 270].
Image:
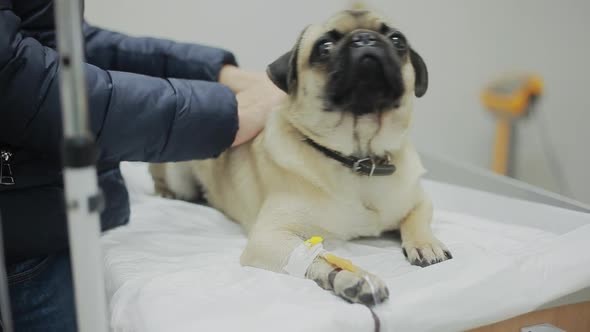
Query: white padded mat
[175, 267]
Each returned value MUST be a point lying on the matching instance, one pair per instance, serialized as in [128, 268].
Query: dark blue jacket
[149, 100]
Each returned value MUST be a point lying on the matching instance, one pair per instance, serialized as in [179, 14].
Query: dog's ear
[421, 73]
[283, 71]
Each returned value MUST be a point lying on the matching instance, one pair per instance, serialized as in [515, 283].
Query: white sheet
[175, 267]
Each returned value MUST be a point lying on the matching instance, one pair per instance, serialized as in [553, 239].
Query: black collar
[365, 166]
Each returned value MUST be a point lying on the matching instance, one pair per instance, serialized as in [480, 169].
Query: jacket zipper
[6, 176]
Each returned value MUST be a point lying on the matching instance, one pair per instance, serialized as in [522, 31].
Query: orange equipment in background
[509, 98]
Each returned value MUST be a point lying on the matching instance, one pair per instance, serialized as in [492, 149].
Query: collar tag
[358, 168]
[378, 166]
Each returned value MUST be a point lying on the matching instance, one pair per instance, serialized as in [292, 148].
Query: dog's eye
[325, 47]
[399, 41]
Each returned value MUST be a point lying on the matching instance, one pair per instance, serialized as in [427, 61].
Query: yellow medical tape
[340, 262]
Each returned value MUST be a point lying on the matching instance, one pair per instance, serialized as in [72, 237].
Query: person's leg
[41, 293]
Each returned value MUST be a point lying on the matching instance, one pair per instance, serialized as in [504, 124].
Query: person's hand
[257, 97]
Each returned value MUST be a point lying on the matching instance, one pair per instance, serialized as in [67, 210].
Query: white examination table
[175, 267]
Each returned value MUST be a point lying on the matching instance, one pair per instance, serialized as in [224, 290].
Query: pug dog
[335, 161]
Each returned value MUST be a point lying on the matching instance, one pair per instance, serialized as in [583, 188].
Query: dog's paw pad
[426, 253]
[354, 288]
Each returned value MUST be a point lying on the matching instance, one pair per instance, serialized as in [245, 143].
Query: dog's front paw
[425, 253]
[358, 287]
[366, 289]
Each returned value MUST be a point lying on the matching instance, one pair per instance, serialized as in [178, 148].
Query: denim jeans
[41, 293]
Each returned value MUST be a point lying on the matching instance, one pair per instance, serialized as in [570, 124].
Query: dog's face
[355, 66]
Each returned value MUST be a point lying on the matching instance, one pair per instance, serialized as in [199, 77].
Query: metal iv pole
[83, 198]
[6, 324]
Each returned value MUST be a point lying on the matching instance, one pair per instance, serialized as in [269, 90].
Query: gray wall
[465, 44]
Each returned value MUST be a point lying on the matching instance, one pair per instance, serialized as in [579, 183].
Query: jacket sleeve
[152, 56]
[134, 117]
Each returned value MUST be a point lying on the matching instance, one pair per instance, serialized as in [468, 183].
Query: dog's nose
[363, 39]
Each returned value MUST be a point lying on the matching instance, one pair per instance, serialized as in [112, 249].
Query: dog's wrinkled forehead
[350, 20]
